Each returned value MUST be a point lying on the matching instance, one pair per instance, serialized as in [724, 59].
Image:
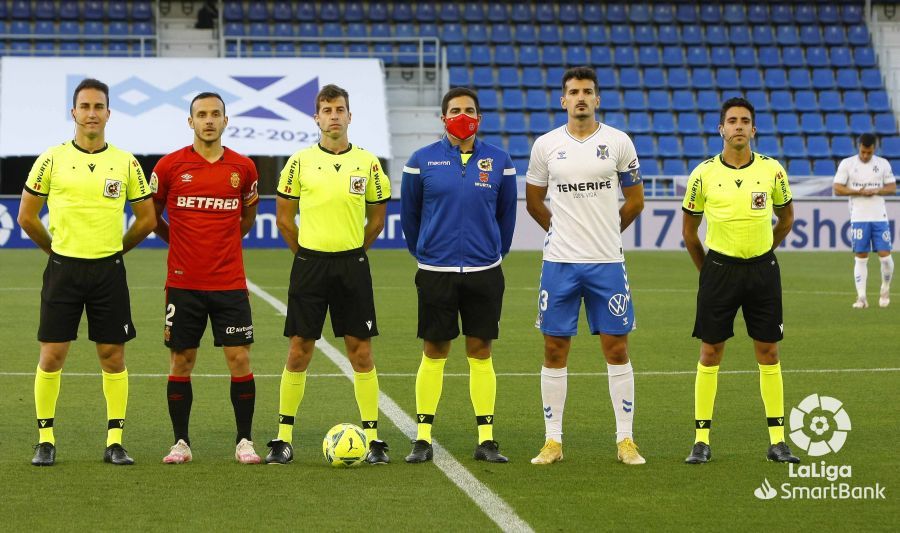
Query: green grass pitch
[587, 491]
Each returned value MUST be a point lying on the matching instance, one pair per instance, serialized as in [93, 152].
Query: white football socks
[860, 274]
[621, 392]
[554, 384]
[887, 273]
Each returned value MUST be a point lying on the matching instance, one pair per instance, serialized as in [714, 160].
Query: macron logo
[439, 163]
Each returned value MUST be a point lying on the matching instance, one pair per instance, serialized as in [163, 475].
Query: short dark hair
[867, 139]
[580, 73]
[737, 101]
[332, 92]
[90, 83]
[457, 92]
[206, 94]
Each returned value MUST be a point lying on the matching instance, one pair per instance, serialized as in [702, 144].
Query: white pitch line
[487, 500]
[499, 374]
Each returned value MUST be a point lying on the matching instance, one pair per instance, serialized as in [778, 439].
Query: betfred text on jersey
[583, 187]
[207, 202]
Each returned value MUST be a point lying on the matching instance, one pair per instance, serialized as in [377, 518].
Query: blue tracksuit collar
[450, 147]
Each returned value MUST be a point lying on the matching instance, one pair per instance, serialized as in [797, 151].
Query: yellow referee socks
[771, 388]
[483, 392]
[704, 400]
[46, 391]
[429, 384]
[293, 384]
[115, 389]
[365, 386]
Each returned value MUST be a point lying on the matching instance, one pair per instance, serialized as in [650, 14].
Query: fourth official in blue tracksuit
[458, 216]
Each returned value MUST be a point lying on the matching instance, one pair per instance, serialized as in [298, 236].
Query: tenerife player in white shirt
[580, 168]
[865, 178]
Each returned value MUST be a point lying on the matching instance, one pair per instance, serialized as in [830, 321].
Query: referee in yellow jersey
[738, 190]
[85, 183]
[342, 192]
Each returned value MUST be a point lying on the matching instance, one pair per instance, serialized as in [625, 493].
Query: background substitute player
[342, 193]
[737, 191]
[210, 194]
[85, 183]
[581, 167]
[866, 179]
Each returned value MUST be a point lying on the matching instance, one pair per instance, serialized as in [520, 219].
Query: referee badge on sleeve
[112, 189]
[758, 200]
[357, 185]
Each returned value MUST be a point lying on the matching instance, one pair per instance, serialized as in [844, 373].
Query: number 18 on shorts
[604, 288]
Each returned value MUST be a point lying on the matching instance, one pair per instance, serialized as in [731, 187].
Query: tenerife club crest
[603, 151]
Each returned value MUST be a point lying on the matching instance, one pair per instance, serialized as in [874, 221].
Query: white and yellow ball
[345, 445]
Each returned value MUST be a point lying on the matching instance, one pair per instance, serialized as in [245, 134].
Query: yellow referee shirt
[333, 190]
[86, 195]
[738, 203]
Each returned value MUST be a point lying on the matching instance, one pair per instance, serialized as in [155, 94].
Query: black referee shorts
[187, 311]
[339, 282]
[445, 297]
[728, 283]
[98, 286]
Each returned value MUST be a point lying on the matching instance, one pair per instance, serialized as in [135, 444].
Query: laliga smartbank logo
[819, 426]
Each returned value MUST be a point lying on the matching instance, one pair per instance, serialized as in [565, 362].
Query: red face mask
[461, 126]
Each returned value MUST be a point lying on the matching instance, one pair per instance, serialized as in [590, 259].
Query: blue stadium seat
[817, 146]
[765, 124]
[674, 167]
[519, 146]
[261, 49]
[768, 145]
[548, 34]
[758, 13]
[69, 27]
[663, 13]
[635, 100]
[616, 14]
[698, 56]
[400, 12]
[426, 12]
[858, 35]
[878, 102]
[648, 56]
[645, 146]
[377, 12]
[655, 78]
[490, 122]
[575, 55]
[44, 27]
[658, 100]
[142, 28]
[43, 10]
[686, 13]
[525, 34]
[639, 13]
[47, 48]
[692, 35]
[823, 79]
[834, 35]
[678, 78]
[793, 146]
[852, 14]
[231, 12]
[689, 124]
[864, 57]
[770, 56]
[480, 55]
[870, 79]
[734, 14]
[885, 124]
[592, 13]
[93, 10]
[792, 56]
[551, 54]
[513, 100]
[645, 35]
[799, 167]
[672, 56]
[629, 78]
[539, 123]
[669, 146]
[257, 12]
[20, 27]
[806, 101]
[739, 36]
[798, 78]
[830, 101]
[67, 11]
[787, 124]
[805, 14]
[472, 12]
[668, 34]
[353, 49]
[544, 13]
[763, 36]
[492, 138]
[536, 99]
[702, 78]
[614, 119]
[811, 35]
[836, 123]
[572, 34]
[751, 78]
[555, 74]
[281, 12]
[721, 56]
[71, 48]
[611, 100]
[497, 12]
[842, 146]
[529, 56]
[781, 14]
[508, 77]
[459, 76]
[745, 56]
[817, 56]
[855, 102]
[257, 29]
[625, 56]
[861, 123]
[488, 100]
[311, 29]
[476, 33]
[711, 122]
[664, 123]
[782, 101]
[710, 13]
[649, 166]
[787, 36]
[811, 123]
[334, 29]
[93, 48]
[597, 35]
[708, 100]
[306, 12]
[450, 33]
[426, 29]
[601, 56]
[639, 122]
[717, 35]
[514, 123]
[483, 77]
[501, 34]
[727, 78]
[520, 12]
[683, 100]
[759, 99]
[385, 52]
[841, 57]
[693, 146]
[823, 167]
[889, 145]
[569, 13]
[848, 79]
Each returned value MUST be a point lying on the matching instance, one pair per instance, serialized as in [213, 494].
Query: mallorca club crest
[235, 180]
[603, 151]
[486, 164]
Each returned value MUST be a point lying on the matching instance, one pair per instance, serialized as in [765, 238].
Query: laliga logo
[813, 420]
[6, 225]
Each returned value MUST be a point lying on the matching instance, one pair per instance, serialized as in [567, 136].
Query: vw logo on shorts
[618, 304]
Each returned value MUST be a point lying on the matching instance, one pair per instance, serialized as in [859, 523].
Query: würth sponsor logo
[207, 202]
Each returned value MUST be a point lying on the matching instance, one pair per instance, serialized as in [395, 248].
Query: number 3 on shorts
[542, 300]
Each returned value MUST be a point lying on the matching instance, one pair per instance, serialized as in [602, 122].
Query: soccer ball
[345, 445]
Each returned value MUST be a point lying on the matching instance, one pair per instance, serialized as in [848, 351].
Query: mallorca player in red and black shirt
[210, 194]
